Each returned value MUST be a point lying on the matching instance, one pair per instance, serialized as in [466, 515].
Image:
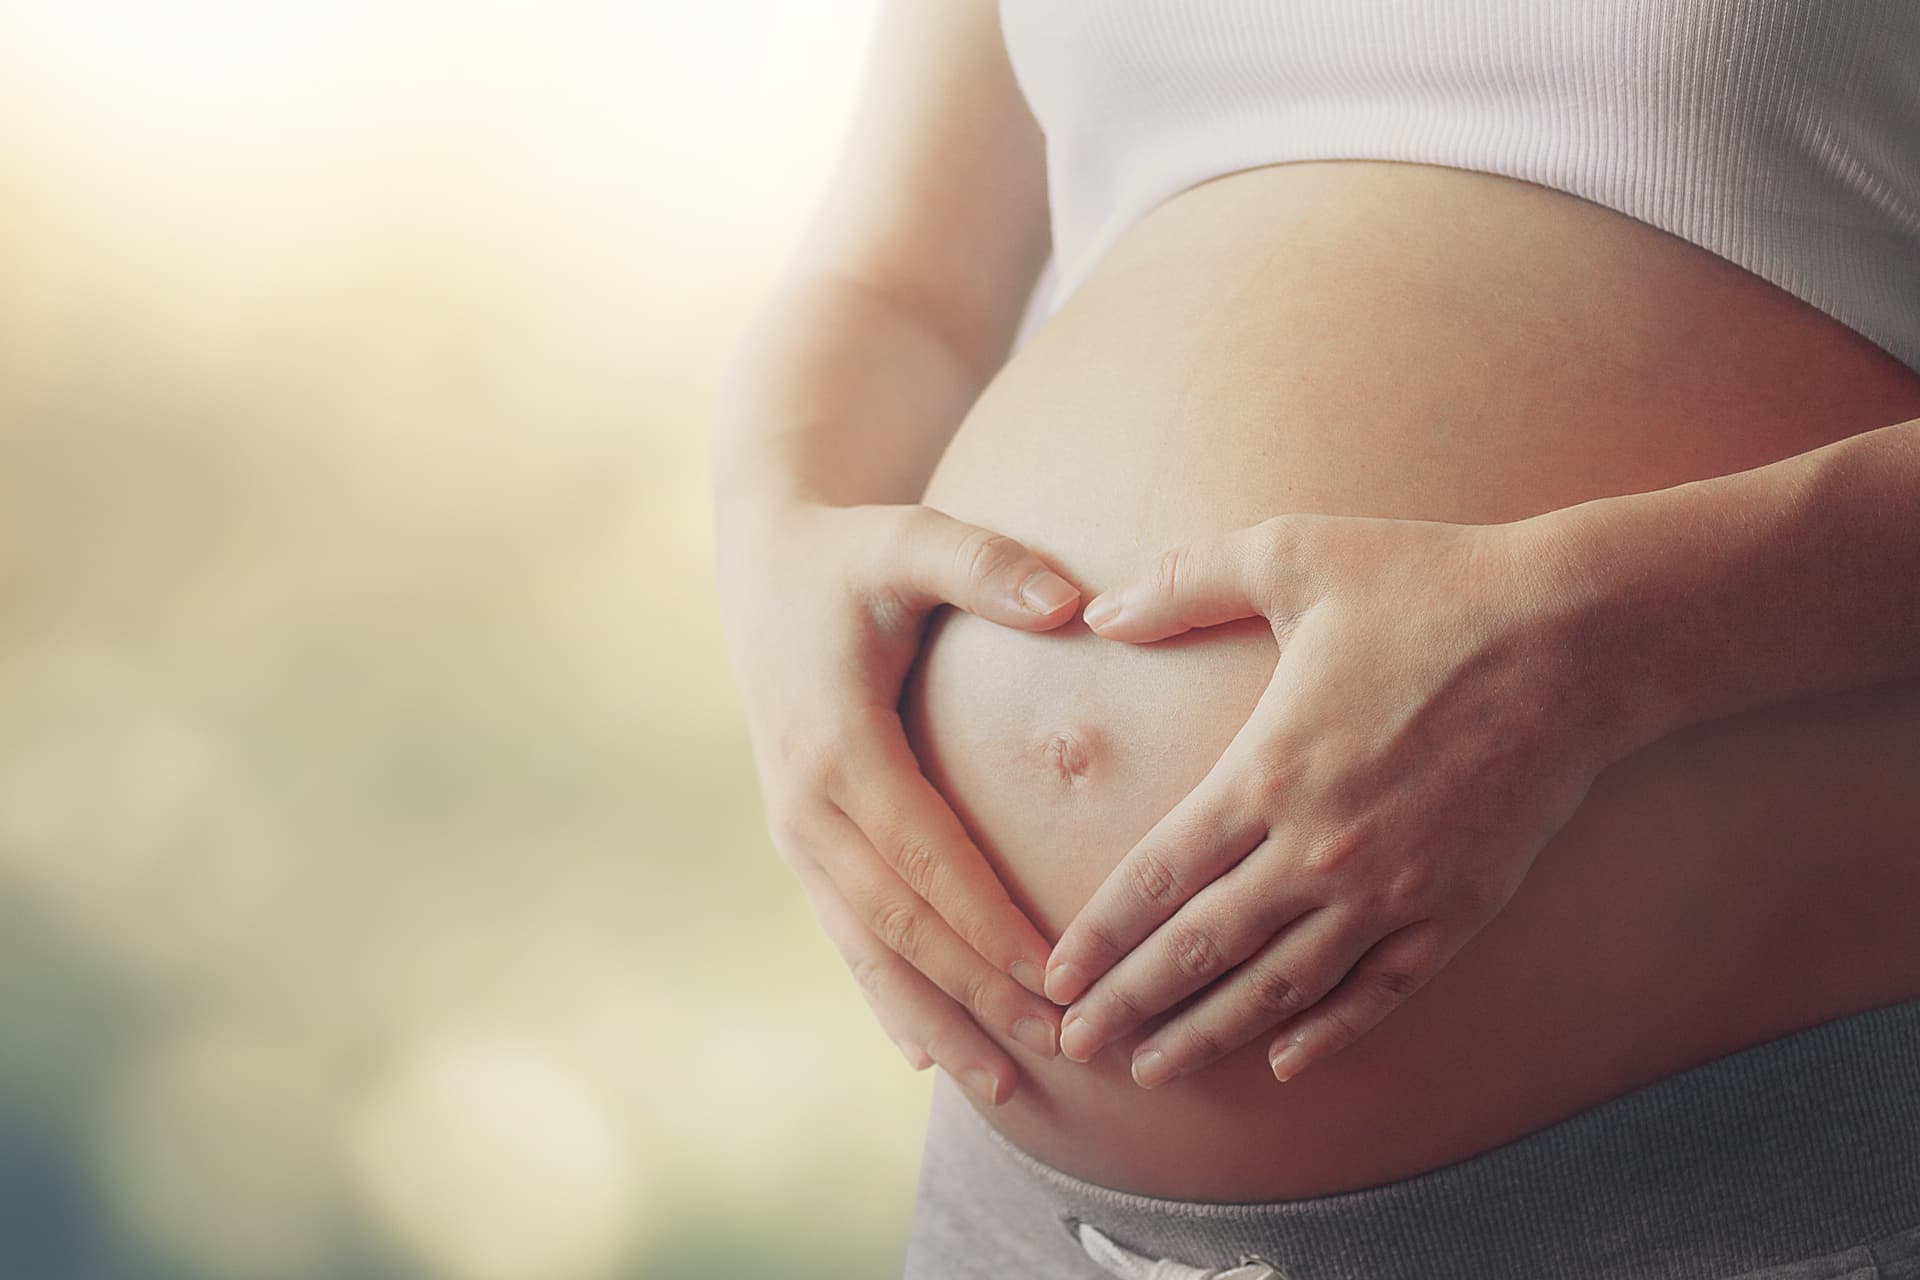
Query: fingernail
[1287, 1063]
[1077, 1039]
[1151, 1068]
[1103, 610]
[916, 1056]
[1060, 984]
[982, 1084]
[1027, 974]
[1044, 592]
[1036, 1035]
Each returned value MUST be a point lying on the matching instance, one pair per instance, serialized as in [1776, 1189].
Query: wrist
[1591, 626]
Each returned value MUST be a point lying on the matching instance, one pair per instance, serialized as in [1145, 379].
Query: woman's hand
[1420, 741]
[824, 609]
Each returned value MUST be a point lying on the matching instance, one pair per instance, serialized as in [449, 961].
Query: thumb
[947, 561]
[1198, 584]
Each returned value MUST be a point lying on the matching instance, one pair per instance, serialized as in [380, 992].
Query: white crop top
[1783, 135]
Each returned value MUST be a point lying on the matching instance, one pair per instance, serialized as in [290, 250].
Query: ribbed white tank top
[1783, 135]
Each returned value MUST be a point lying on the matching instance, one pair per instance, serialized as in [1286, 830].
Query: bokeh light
[384, 889]
[496, 1162]
[216, 1150]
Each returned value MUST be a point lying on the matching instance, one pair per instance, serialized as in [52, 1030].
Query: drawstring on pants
[1128, 1265]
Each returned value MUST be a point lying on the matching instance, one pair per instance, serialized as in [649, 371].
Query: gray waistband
[1799, 1146]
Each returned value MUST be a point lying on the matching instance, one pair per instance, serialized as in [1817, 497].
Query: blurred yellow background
[384, 888]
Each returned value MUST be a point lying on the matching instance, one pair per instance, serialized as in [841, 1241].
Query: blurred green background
[384, 887]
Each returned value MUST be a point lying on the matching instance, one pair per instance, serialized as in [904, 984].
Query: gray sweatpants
[1796, 1159]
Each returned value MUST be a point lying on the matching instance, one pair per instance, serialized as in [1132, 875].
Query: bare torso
[1412, 341]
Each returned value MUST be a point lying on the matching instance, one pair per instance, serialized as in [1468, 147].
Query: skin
[1340, 866]
[854, 785]
[1277, 343]
[895, 318]
[900, 302]
[1420, 742]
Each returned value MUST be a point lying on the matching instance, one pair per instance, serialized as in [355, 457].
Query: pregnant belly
[1411, 341]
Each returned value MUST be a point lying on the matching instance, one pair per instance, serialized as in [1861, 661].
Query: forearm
[835, 393]
[1789, 580]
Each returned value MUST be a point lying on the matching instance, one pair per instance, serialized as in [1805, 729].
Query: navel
[1069, 754]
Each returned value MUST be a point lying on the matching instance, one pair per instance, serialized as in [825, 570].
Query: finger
[912, 930]
[923, 1022]
[1295, 968]
[1397, 966]
[1202, 583]
[1216, 825]
[1226, 922]
[915, 831]
[1196, 841]
[937, 559]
